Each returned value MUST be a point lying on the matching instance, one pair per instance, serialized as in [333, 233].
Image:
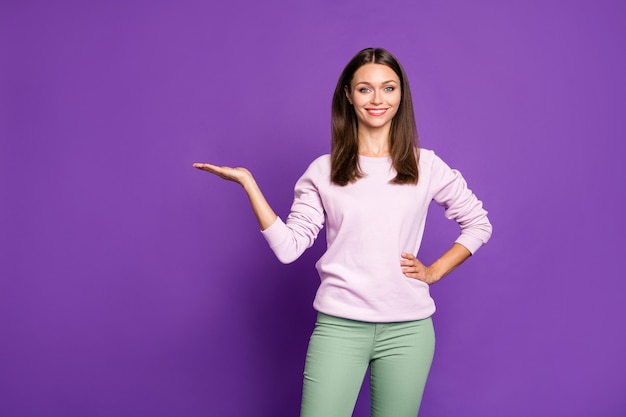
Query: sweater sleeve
[288, 240]
[451, 191]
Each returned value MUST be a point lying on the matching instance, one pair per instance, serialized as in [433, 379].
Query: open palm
[238, 175]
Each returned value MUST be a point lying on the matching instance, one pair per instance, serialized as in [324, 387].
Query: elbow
[488, 231]
[286, 259]
[286, 255]
[483, 233]
[289, 251]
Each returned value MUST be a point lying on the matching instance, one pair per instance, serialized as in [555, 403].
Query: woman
[372, 194]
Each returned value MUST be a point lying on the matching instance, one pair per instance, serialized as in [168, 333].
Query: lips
[376, 112]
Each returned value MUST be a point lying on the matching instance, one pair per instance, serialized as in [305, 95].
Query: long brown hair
[404, 148]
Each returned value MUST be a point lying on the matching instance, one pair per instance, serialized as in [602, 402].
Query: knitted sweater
[369, 223]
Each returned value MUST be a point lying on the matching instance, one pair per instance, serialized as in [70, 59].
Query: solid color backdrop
[133, 285]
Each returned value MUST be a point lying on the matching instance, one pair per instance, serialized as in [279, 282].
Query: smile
[376, 112]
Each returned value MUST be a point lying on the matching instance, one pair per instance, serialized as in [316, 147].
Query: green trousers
[399, 356]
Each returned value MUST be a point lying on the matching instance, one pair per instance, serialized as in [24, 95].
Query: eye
[389, 89]
[364, 90]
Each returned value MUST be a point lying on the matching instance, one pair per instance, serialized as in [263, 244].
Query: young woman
[372, 194]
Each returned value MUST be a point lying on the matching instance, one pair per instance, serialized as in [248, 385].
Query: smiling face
[375, 94]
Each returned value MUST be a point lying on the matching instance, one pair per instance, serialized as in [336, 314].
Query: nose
[377, 97]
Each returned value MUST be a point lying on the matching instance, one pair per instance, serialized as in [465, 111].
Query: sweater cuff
[471, 243]
[275, 234]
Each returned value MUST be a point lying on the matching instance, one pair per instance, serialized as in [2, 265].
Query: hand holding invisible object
[262, 210]
[238, 175]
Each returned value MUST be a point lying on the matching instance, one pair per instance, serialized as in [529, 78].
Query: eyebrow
[384, 82]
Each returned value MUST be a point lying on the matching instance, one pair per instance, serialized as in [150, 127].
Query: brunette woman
[372, 194]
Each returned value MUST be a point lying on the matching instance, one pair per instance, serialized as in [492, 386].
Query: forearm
[262, 210]
[451, 259]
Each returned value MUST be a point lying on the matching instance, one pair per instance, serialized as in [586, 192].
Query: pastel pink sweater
[369, 223]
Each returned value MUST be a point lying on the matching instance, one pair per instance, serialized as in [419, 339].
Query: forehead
[374, 73]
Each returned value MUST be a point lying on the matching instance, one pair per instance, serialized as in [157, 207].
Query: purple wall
[134, 285]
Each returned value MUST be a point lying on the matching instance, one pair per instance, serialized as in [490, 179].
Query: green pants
[340, 351]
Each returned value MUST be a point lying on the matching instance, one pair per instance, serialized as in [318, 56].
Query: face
[375, 95]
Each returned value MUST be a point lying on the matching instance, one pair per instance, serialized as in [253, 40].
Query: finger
[409, 261]
[213, 169]
[418, 263]
[408, 270]
[201, 166]
[206, 167]
[414, 275]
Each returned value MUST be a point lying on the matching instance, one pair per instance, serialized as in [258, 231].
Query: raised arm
[262, 210]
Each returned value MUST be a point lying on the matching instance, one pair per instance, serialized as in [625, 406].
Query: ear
[347, 91]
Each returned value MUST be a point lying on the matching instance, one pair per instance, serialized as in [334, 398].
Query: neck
[374, 142]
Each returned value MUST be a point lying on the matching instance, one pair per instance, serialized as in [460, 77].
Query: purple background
[134, 285]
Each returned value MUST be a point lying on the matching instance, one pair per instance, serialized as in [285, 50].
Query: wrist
[249, 184]
[435, 272]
